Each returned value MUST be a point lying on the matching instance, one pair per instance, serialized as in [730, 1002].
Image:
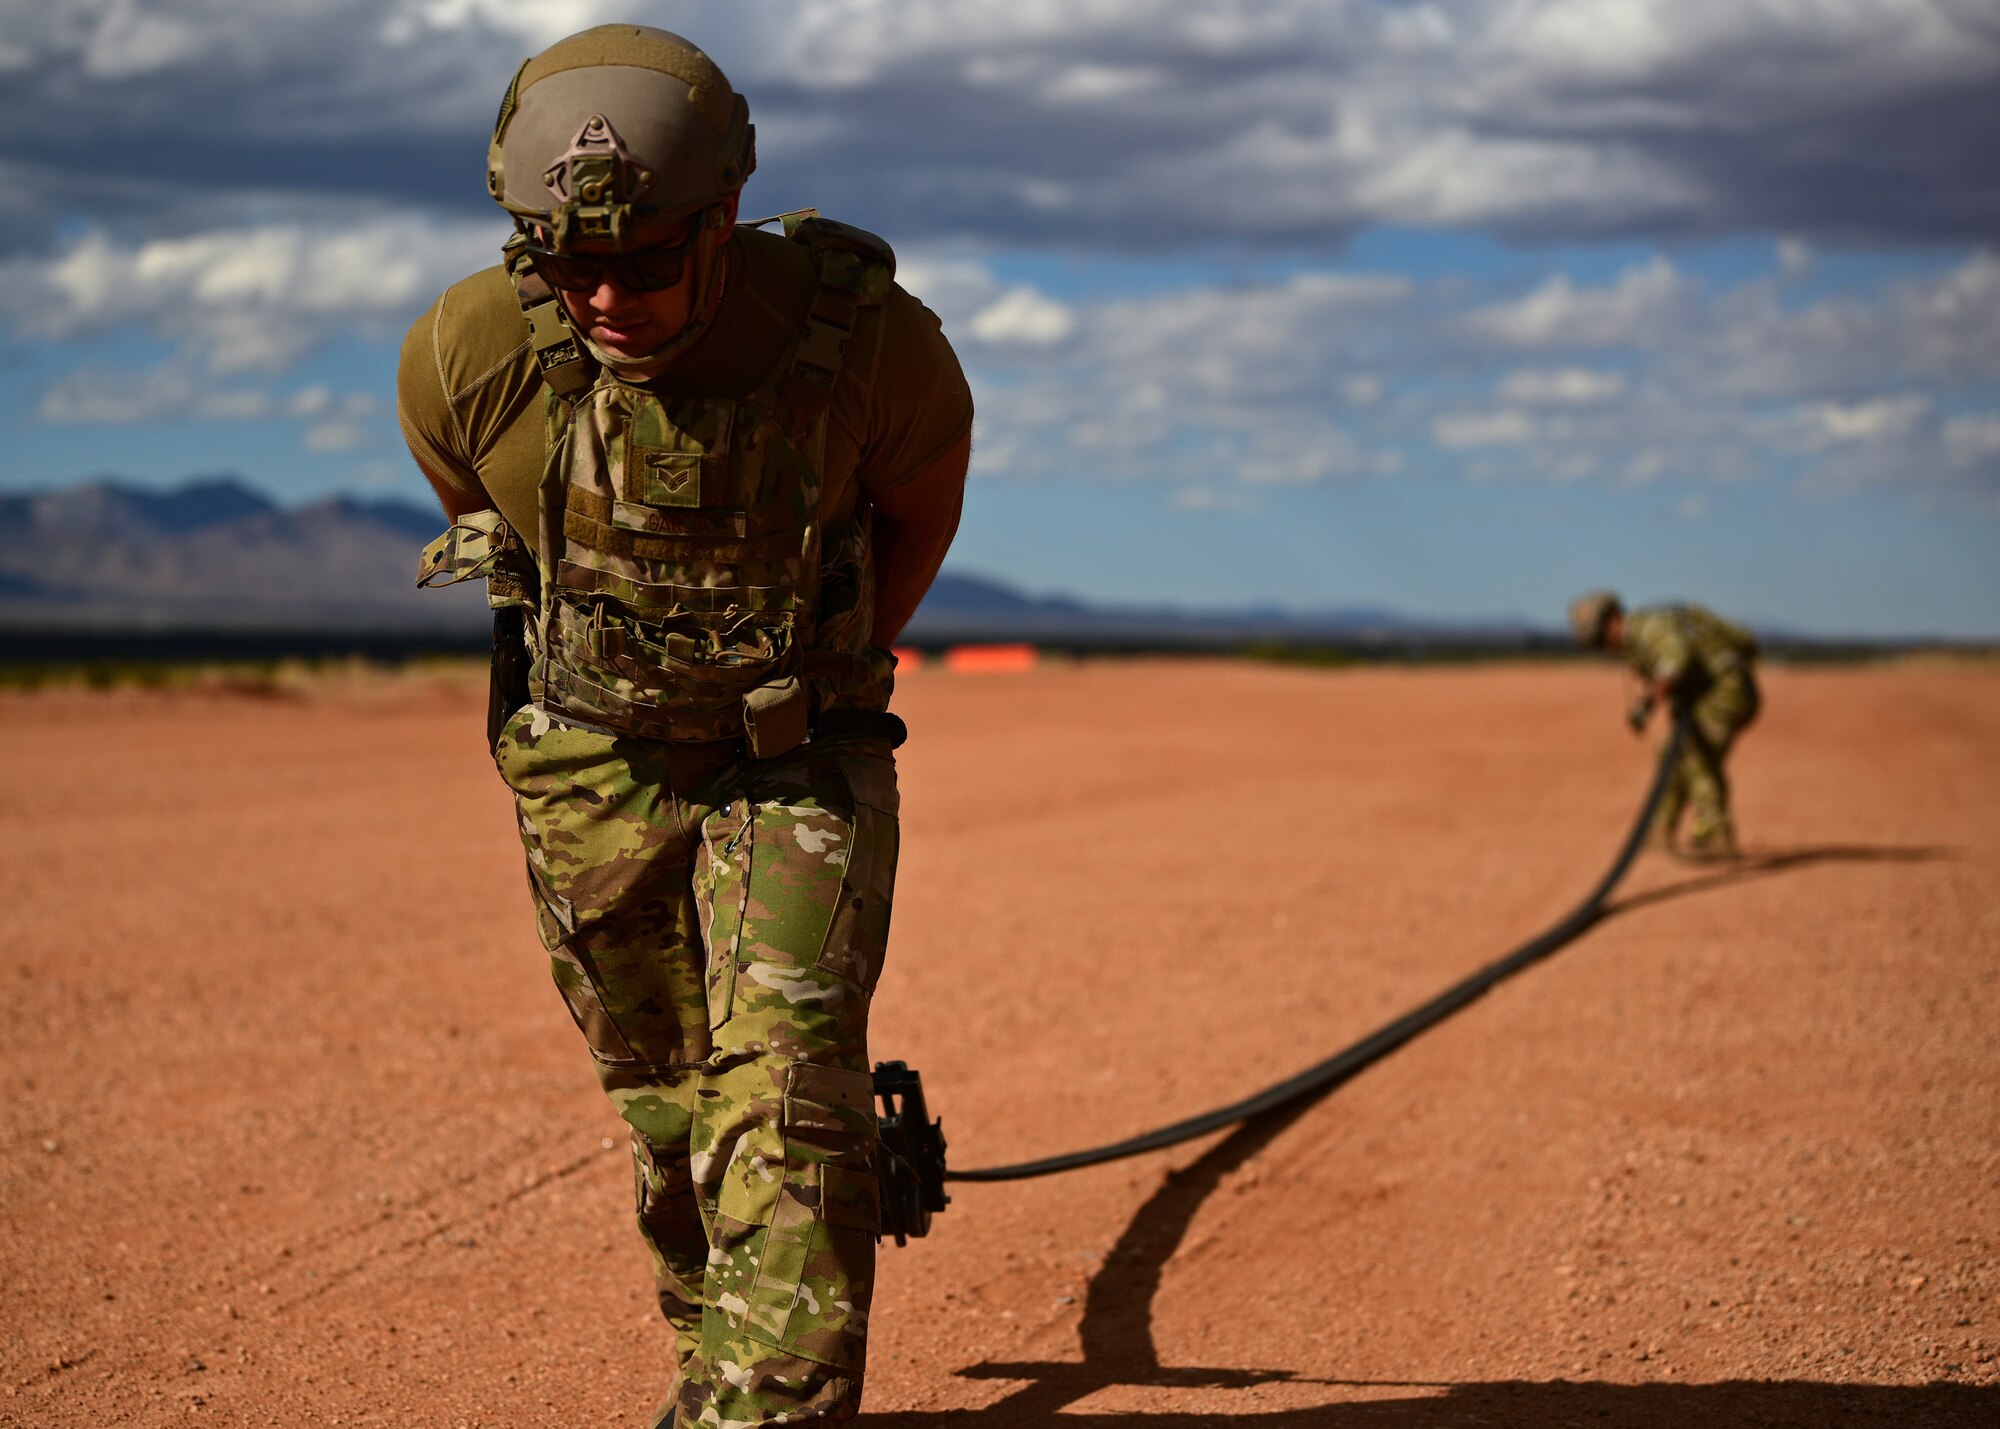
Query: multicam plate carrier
[681, 584]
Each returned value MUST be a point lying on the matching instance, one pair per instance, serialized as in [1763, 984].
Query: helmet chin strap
[708, 299]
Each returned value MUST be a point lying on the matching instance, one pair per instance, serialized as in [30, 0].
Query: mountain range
[217, 555]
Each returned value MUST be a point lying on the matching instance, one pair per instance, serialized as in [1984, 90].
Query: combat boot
[1712, 845]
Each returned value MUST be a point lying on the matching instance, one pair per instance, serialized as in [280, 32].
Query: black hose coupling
[910, 1159]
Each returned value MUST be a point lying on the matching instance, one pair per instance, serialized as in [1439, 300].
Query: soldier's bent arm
[455, 500]
[914, 524]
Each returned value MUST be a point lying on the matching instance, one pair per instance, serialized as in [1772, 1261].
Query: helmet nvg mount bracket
[592, 180]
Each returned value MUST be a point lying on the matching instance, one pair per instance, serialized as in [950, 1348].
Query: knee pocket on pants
[795, 1232]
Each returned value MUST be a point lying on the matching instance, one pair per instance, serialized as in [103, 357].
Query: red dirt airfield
[297, 1131]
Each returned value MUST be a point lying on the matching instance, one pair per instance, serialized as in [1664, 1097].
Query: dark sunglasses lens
[650, 270]
[646, 271]
[566, 271]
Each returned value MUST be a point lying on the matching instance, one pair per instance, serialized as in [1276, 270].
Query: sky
[1455, 308]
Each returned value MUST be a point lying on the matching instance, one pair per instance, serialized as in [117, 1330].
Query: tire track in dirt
[392, 1241]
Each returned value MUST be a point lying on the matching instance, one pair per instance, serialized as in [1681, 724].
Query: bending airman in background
[1686, 657]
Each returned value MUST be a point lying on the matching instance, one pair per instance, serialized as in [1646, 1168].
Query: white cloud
[129, 41]
[243, 300]
[1363, 389]
[1464, 431]
[338, 434]
[1330, 375]
[535, 26]
[1330, 454]
[176, 392]
[1025, 316]
[380, 475]
[1642, 468]
[1206, 385]
[1640, 308]
[1877, 419]
[335, 423]
[1214, 498]
[1098, 83]
[94, 397]
[1562, 386]
[257, 182]
[1972, 441]
[315, 400]
[1138, 121]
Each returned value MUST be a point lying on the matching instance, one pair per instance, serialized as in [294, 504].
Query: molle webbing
[854, 268]
[738, 547]
[712, 525]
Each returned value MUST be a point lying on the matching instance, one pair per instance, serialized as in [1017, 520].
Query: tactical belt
[860, 724]
[824, 727]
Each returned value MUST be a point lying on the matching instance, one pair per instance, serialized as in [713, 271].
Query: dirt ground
[297, 1132]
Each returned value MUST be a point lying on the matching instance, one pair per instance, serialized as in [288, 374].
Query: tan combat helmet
[613, 126]
[1589, 614]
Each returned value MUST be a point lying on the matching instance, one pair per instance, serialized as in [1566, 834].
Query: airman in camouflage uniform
[1689, 657]
[706, 474]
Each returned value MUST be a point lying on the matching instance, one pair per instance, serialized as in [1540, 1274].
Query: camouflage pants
[717, 926]
[1699, 784]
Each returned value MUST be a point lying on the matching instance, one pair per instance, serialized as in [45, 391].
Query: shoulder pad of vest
[851, 259]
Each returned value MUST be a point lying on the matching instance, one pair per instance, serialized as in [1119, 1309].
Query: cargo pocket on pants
[814, 1270]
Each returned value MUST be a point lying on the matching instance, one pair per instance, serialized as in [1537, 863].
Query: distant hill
[963, 607]
[217, 555]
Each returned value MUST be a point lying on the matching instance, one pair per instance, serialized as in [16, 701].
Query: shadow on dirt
[1504, 1405]
[1118, 1347]
[1118, 1350]
[1763, 865]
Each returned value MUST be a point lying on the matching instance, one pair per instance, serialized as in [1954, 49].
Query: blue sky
[1453, 307]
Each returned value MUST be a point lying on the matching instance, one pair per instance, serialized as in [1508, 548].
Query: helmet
[1589, 614]
[613, 126]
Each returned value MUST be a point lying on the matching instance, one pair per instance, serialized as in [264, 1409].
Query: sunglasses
[645, 270]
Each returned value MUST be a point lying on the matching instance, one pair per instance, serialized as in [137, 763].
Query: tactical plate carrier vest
[681, 585]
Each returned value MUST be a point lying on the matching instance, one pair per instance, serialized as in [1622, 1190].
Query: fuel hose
[1380, 1043]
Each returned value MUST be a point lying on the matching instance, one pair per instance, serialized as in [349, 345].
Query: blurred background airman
[1695, 661]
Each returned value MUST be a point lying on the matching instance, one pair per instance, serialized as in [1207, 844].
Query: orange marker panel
[989, 659]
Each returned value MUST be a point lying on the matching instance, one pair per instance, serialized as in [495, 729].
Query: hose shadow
[1117, 1330]
[1763, 865]
[1117, 1334]
[1527, 1404]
